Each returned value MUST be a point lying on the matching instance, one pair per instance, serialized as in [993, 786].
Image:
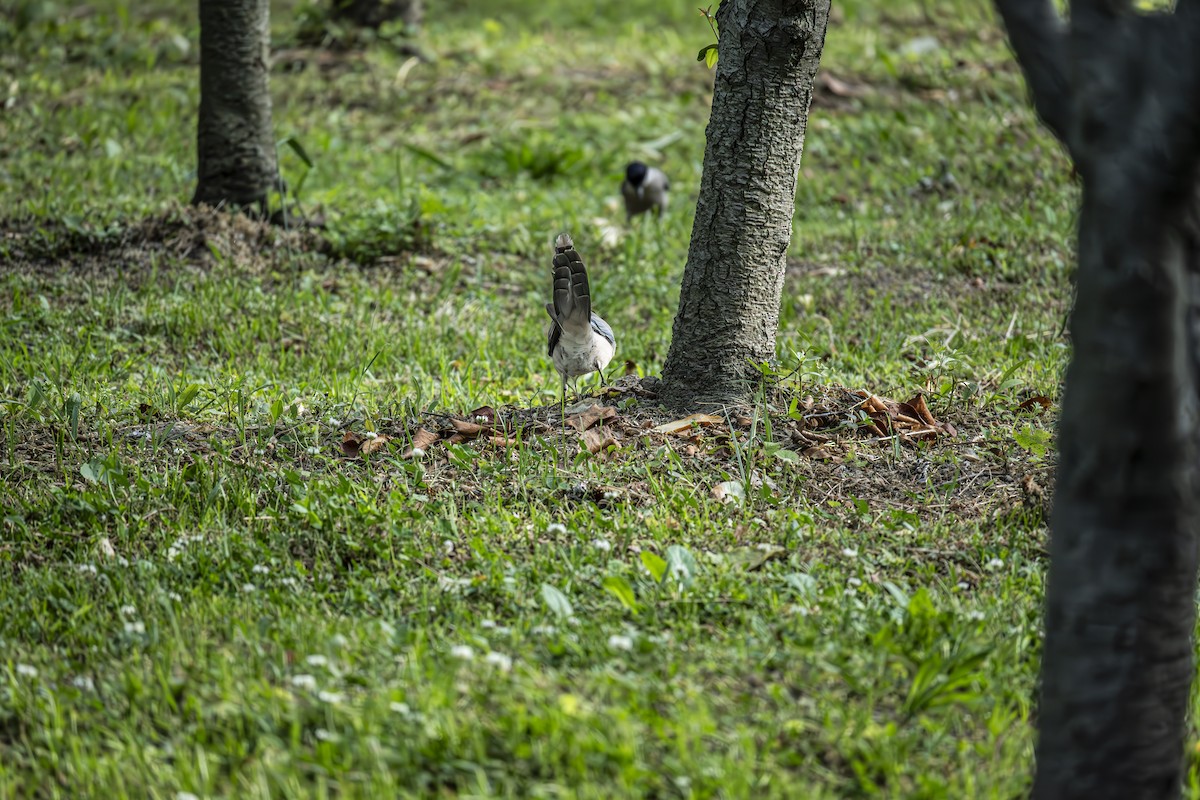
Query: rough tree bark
[729, 301]
[374, 13]
[1119, 90]
[235, 139]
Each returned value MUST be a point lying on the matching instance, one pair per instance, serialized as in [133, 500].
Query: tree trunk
[374, 13]
[235, 141]
[729, 301]
[1121, 595]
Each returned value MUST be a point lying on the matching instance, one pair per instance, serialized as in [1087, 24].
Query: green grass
[201, 596]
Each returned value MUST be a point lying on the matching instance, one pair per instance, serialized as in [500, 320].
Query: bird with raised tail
[644, 189]
[578, 341]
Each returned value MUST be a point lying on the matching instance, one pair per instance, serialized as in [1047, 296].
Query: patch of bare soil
[195, 236]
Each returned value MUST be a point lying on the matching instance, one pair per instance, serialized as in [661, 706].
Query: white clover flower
[303, 681]
[500, 661]
[463, 652]
[289, 581]
[850, 552]
[83, 683]
[602, 544]
[26, 671]
[334, 421]
[89, 568]
[995, 563]
[258, 451]
[962, 586]
[249, 587]
[854, 581]
[556, 529]
[333, 698]
[850, 592]
[488, 623]
[129, 611]
[401, 709]
[260, 569]
[312, 451]
[976, 616]
[316, 660]
[325, 736]
[448, 546]
[619, 642]
[543, 630]
[418, 452]
[185, 796]
[136, 628]
[176, 596]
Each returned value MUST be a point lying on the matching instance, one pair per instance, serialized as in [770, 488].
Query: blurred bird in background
[578, 341]
[644, 189]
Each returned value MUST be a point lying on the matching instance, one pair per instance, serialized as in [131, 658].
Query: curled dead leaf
[351, 444]
[1039, 400]
[355, 446]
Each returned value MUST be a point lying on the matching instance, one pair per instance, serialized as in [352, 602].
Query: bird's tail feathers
[572, 295]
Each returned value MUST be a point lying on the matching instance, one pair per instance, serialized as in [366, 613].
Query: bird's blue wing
[601, 327]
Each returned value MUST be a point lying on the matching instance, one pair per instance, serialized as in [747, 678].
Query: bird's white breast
[578, 355]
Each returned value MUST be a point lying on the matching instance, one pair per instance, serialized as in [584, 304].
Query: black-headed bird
[644, 189]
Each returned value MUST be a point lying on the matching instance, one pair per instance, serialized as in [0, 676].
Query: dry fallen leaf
[590, 416]
[422, 440]
[1040, 400]
[351, 444]
[597, 439]
[686, 423]
[373, 444]
[909, 421]
[354, 445]
[467, 429]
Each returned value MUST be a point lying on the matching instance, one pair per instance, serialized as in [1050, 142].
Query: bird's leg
[562, 445]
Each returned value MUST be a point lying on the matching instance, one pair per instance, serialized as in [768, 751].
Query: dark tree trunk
[729, 301]
[1120, 604]
[374, 13]
[235, 141]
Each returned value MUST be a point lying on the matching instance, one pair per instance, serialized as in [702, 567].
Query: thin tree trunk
[729, 300]
[235, 138]
[1120, 92]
